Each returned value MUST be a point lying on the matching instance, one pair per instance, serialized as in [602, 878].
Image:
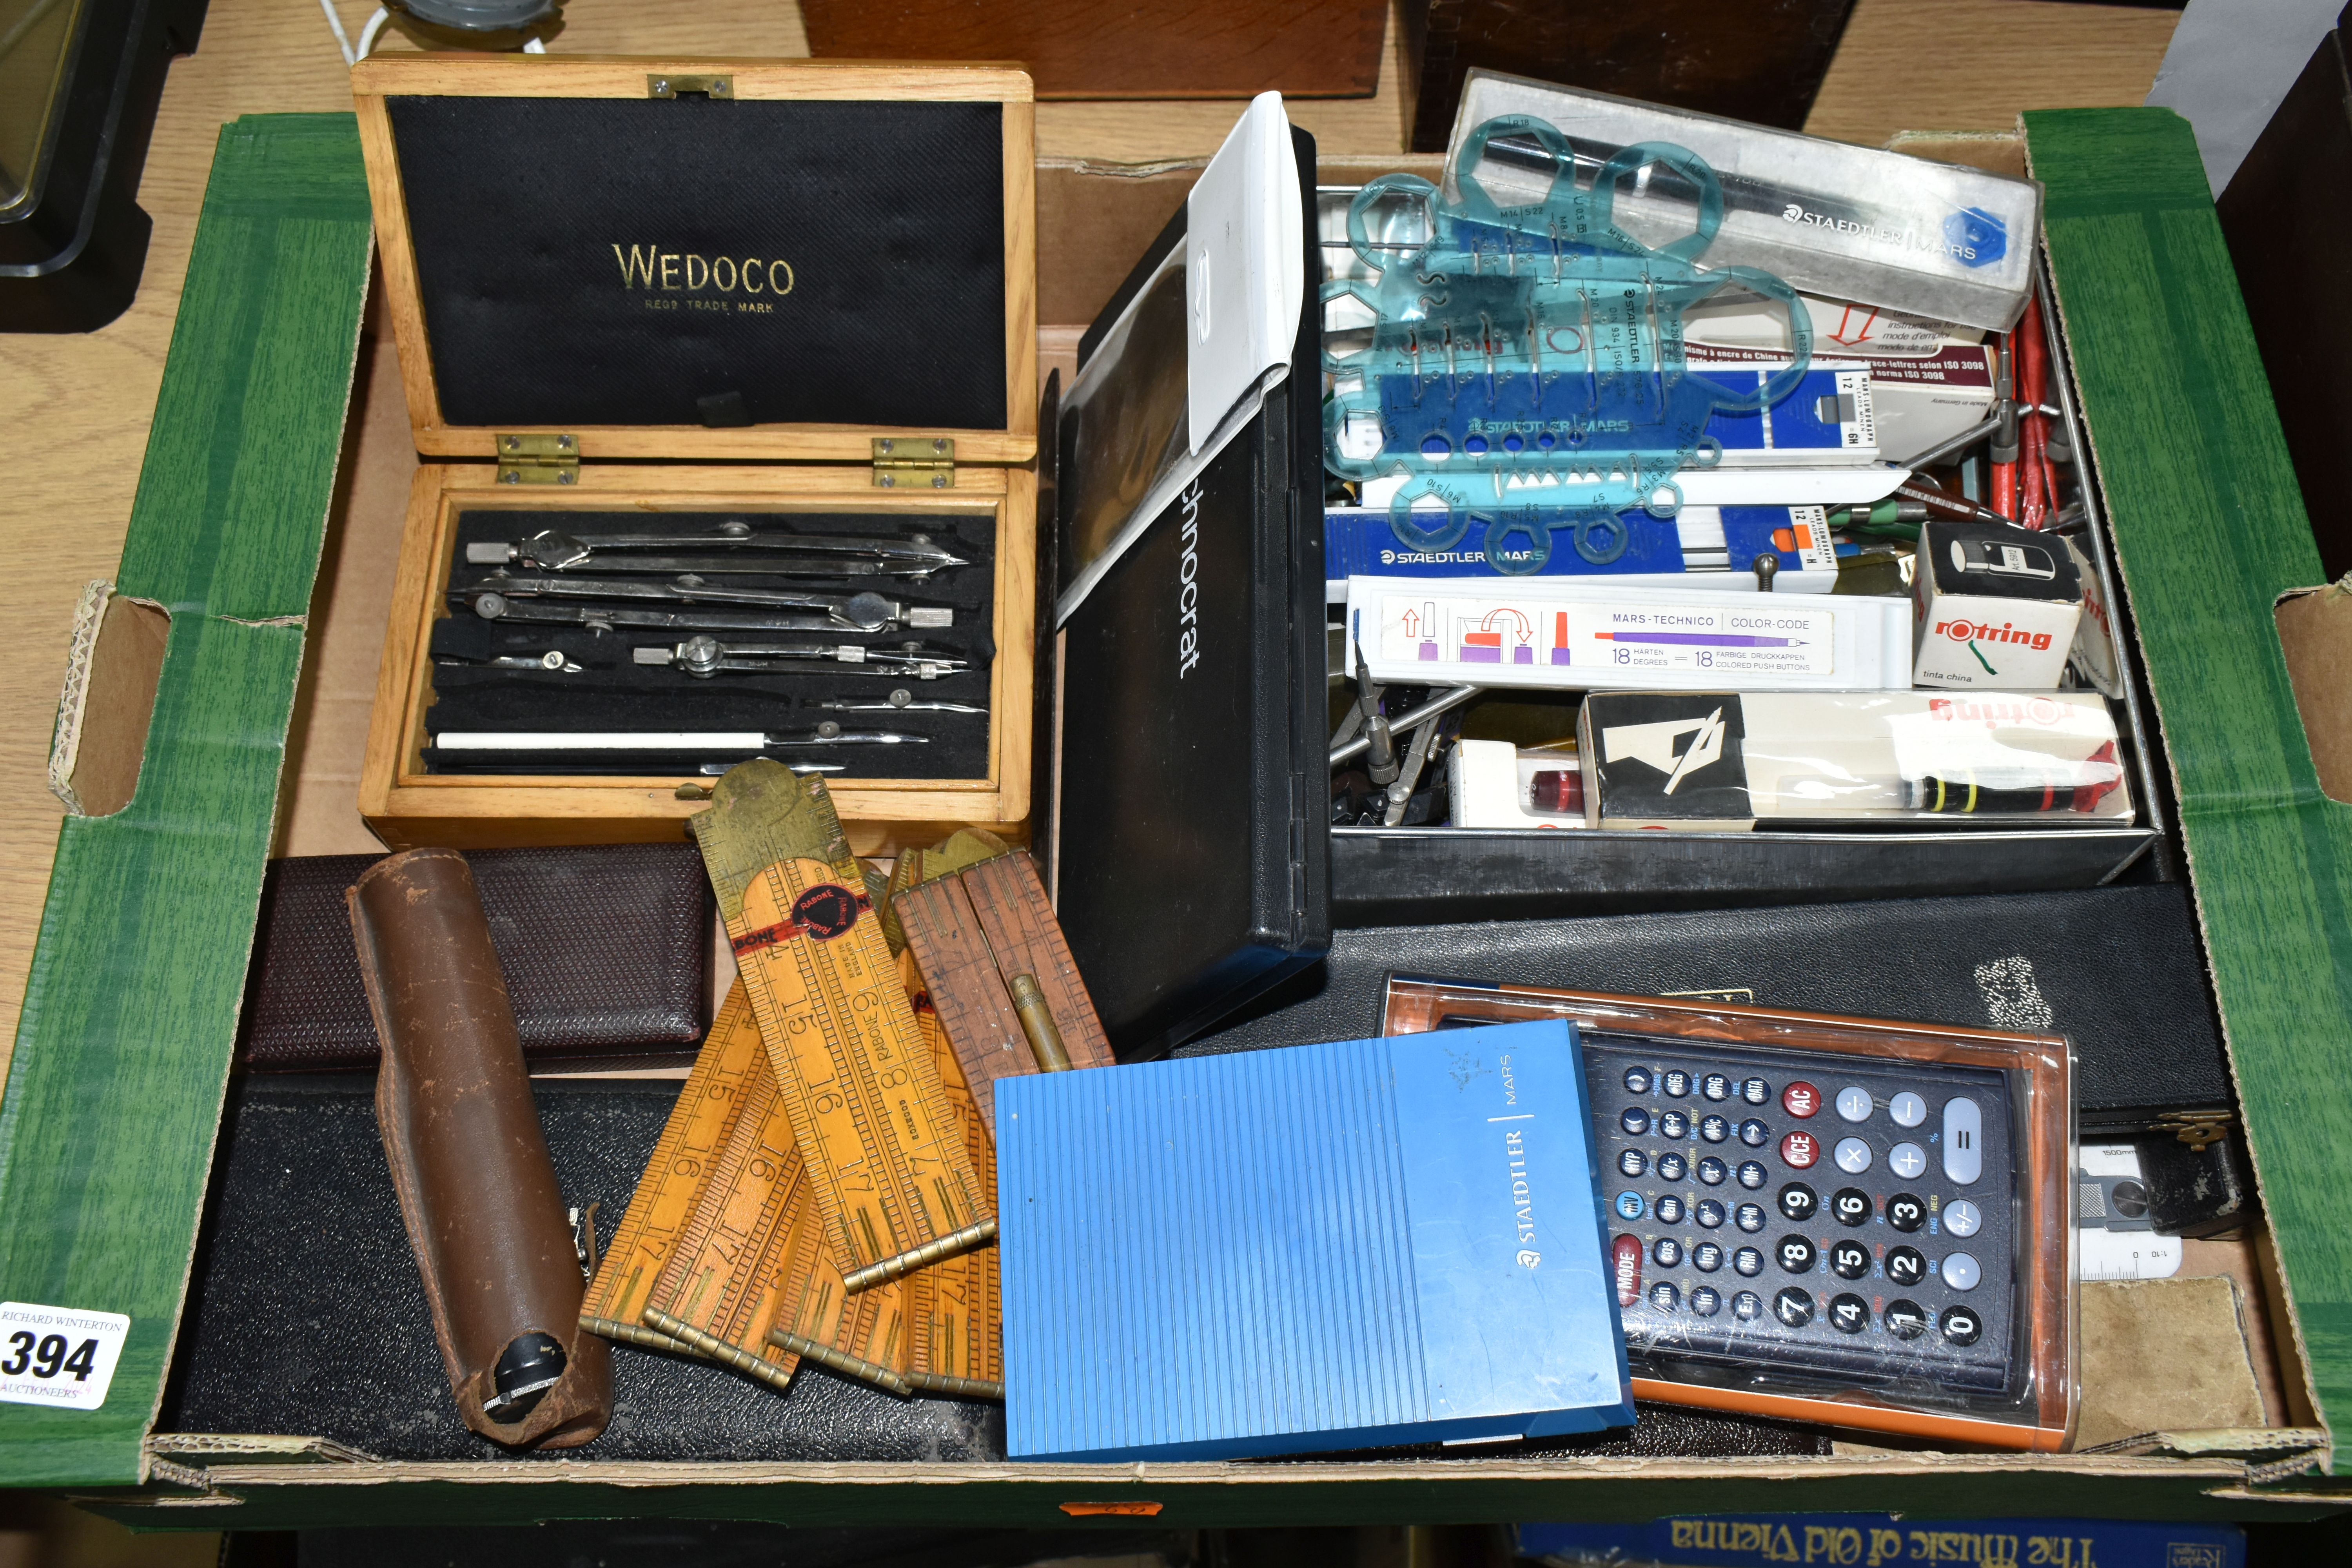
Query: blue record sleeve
[1356, 1245]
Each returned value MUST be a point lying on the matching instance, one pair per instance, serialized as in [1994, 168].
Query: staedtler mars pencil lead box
[1346, 1246]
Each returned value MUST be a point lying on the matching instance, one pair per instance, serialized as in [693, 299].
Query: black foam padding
[612, 693]
[306, 1314]
[540, 227]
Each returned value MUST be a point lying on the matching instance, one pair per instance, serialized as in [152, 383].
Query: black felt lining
[614, 693]
[889, 216]
[306, 1313]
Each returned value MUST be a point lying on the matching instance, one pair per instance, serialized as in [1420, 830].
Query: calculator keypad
[1889, 1272]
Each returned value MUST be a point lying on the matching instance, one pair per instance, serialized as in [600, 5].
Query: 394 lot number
[61, 1357]
[47, 1358]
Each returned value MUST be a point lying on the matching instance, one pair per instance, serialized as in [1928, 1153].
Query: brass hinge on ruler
[670, 85]
[538, 460]
[2196, 1129]
[928, 462]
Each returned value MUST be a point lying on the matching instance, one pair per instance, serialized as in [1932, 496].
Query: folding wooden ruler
[750, 1282]
[894, 1182]
[727, 1152]
[955, 1306]
[732, 1055]
[991, 954]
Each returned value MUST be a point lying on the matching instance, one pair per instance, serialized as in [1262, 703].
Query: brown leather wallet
[477, 1189]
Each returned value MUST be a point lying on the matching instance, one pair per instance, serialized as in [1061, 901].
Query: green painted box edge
[2209, 529]
[114, 1093]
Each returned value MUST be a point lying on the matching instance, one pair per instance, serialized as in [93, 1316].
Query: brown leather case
[477, 1189]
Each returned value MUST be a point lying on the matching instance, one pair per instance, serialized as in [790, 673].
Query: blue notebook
[1348, 1246]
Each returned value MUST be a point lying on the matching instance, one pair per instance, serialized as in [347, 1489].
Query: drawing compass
[553, 659]
[703, 657]
[853, 612]
[736, 548]
[821, 611]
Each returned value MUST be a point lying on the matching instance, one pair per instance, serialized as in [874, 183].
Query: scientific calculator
[1847, 1220]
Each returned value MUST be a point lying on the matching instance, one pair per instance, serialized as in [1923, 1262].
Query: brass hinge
[903, 460]
[2197, 1128]
[670, 85]
[538, 460]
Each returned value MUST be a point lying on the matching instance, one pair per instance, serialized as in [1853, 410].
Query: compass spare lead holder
[821, 274]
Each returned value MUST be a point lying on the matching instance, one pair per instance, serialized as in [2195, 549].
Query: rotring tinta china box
[1997, 607]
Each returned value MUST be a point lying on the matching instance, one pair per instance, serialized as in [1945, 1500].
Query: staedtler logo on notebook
[1515, 1152]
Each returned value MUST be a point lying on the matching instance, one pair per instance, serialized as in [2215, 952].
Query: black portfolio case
[1189, 856]
[2119, 971]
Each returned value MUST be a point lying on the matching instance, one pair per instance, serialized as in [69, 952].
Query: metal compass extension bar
[857, 613]
[845, 555]
[704, 657]
[861, 612]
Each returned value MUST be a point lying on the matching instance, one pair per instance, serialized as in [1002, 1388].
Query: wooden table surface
[75, 409]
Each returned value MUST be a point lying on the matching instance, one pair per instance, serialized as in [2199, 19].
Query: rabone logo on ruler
[893, 1180]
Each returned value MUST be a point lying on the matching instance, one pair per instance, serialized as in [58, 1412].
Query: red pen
[2003, 447]
[2032, 382]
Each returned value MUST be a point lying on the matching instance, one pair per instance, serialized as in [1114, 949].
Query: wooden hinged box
[661, 297]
